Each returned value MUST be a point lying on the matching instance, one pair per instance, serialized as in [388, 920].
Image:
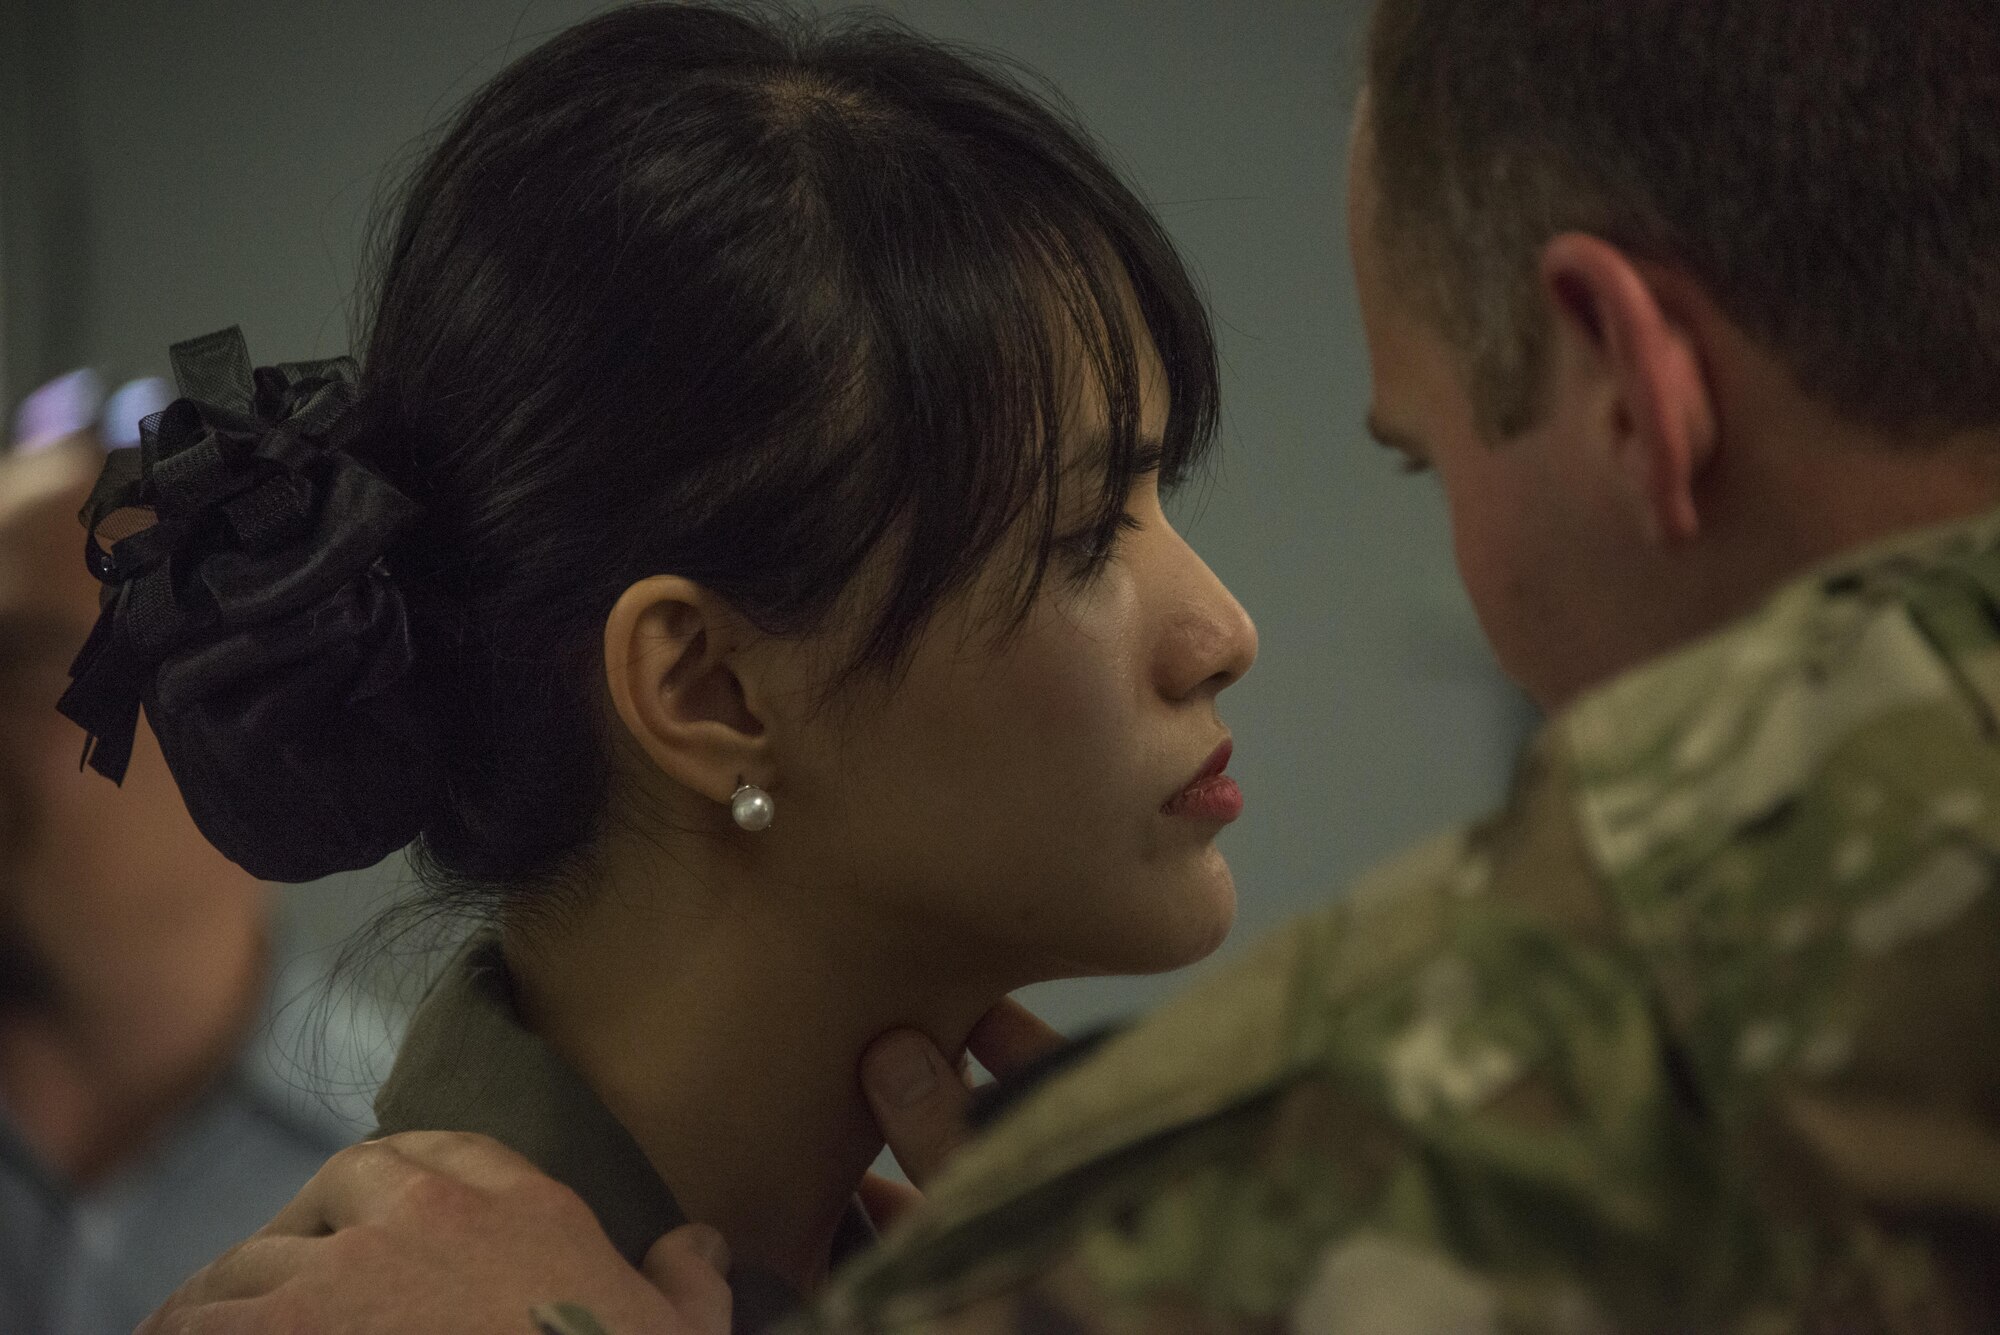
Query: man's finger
[464, 1156]
[887, 1201]
[688, 1267]
[219, 1299]
[248, 1270]
[347, 1188]
[919, 1101]
[363, 1183]
[239, 1316]
[1009, 1037]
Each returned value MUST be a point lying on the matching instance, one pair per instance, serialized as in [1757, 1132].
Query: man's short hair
[1827, 170]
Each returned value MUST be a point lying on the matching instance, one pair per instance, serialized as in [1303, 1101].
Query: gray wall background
[173, 166]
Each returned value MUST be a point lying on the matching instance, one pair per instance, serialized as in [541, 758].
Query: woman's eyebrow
[1093, 454]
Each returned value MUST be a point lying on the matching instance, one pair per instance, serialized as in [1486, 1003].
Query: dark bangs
[974, 247]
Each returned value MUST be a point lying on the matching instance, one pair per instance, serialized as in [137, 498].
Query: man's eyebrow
[1391, 439]
[1381, 434]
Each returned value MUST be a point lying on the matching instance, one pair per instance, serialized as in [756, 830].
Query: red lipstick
[1211, 795]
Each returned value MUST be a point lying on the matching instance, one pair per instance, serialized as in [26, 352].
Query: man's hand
[442, 1233]
[920, 1100]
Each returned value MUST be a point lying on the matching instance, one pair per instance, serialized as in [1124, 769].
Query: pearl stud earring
[752, 808]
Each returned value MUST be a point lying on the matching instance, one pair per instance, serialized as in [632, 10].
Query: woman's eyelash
[1123, 522]
[1093, 547]
[1126, 522]
[1410, 463]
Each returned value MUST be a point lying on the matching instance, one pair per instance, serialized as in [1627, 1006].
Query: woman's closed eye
[1086, 553]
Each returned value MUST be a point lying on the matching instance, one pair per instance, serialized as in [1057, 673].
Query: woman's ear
[1657, 419]
[673, 663]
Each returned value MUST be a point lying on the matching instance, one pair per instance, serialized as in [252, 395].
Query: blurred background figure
[168, 1077]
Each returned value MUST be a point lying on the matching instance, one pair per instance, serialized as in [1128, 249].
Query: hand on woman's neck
[720, 1012]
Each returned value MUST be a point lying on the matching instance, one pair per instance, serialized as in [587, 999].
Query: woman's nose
[1211, 642]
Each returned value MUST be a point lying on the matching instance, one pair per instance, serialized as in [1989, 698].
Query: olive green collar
[468, 1064]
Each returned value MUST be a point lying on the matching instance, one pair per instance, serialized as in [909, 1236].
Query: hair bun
[257, 620]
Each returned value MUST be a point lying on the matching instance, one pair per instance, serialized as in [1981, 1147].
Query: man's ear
[1660, 425]
[673, 663]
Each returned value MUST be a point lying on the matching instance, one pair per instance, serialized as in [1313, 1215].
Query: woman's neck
[724, 1028]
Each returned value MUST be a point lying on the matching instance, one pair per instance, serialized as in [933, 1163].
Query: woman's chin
[1206, 936]
[1186, 928]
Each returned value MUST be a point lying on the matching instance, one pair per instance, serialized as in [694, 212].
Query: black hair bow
[255, 617]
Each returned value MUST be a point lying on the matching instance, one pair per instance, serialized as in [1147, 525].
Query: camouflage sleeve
[565, 1319]
[1701, 1033]
[1470, 1078]
[1485, 1092]
[1502, 1134]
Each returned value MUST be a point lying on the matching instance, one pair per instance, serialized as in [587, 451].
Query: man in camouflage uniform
[1702, 1032]
[1695, 309]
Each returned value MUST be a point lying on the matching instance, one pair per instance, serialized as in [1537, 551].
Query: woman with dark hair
[738, 571]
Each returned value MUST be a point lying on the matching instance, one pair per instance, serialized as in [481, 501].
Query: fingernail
[899, 1070]
[133, 403]
[58, 410]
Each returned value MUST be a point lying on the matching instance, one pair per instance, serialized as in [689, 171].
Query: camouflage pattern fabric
[1700, 1033]
[565, 1319]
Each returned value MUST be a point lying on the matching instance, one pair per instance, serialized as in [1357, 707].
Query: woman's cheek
[1083, 668]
